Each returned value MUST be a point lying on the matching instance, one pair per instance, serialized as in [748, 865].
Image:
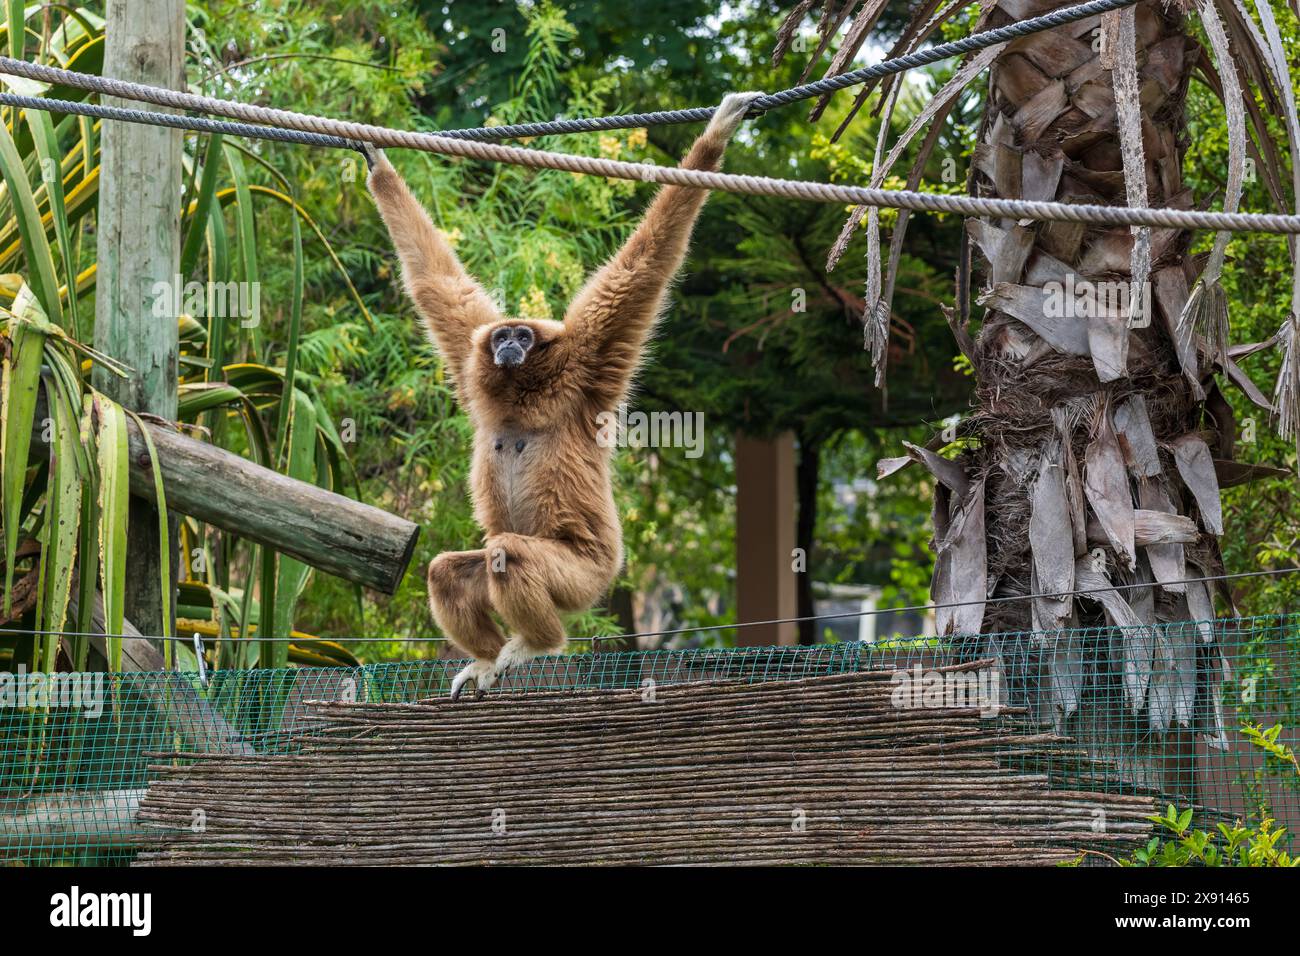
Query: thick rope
[970, 44]
[316, 130]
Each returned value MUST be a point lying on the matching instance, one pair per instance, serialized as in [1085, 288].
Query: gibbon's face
[519, 355]
[510, 345]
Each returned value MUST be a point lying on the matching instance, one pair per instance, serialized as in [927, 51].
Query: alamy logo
[1086, 299]
[227, 300]
[75, 909]
[917, 689]
[60, 691]
[624, 429]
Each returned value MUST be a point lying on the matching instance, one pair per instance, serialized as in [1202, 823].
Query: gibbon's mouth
[509, 354]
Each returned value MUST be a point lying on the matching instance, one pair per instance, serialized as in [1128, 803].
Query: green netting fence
[1148, 710]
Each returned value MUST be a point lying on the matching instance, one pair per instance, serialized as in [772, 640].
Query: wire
[199, 124]
[1274, 572]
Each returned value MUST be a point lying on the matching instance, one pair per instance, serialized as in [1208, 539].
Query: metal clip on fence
[198, 654]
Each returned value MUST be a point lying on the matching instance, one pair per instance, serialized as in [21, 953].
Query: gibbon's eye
[499, 336]
[524, 336]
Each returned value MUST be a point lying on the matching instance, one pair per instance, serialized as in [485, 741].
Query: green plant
[1177, 844]
[1233, 846]
[63, 501]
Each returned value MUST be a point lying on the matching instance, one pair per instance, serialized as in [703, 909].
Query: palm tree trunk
[1092, 460]
[1088, 412]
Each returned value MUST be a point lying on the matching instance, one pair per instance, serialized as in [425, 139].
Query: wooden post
[138, 232]
[765, 521]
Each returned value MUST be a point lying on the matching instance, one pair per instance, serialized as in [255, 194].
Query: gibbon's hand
[731, 112]
[374, 155]
[611, 319]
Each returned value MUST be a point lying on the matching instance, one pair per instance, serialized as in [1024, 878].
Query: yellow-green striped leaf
[31, 229]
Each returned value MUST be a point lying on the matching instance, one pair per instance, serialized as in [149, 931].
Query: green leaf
[114, 497]
[164, 532]
[291, 576]
[246, 226]
[203, 206]
[87, 552]
[36, 248]
[17, 25]
[63, 518]
[198, 397]
[291, 347]
[47, 152]
[18, 391]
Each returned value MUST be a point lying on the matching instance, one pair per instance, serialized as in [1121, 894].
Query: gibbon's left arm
[609, 321]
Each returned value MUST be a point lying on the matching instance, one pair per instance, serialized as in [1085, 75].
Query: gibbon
[533, 390]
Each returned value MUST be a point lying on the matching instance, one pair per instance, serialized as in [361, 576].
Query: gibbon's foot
[482, 673]
[514, 653]
[731, 113]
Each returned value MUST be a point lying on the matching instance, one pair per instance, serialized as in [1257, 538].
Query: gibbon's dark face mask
[511, 345]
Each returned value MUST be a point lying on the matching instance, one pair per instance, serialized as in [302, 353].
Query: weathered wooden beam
[334, 534]
[79, 819]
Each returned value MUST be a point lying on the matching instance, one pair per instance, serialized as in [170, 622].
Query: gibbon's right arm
[612, 317]
[451, 303]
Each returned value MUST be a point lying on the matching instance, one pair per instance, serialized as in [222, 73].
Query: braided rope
[271, 117]
[283, 125]
[317, 130]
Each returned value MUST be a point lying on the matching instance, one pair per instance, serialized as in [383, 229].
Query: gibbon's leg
[451, 303]
[459, 601]
[540, 576]
[611, 318]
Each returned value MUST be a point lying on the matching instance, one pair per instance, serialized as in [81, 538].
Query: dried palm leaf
[789, 28]
[1028, 305]
[1051, 549]
[862, 23]
[1112, 363]
[1196, 468]
[911, 39]
[964, 553]
[1136, 638]
[1073, 482]
[1133, 425]
[1287, 394]
[1207, 307]
[1066, 677]
[1232, 473]
[950, 472]
[1106, 486]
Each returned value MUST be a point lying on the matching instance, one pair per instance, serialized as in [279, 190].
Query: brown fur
[541, 482]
